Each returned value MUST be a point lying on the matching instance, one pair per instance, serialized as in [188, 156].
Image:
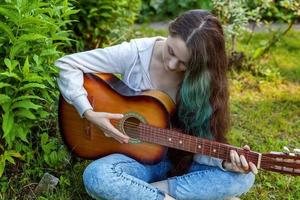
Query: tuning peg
[286, 149]
[297, 152]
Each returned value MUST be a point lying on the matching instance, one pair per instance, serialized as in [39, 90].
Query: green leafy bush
[31, 32]
[160, 9]
[279, 11]
[235, 16]
[103, 22]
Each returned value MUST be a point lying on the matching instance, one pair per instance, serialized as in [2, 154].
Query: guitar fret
[219, 150]
[181, 143]
[227, 154]
[178, 141]
[193, 143]
[163, 136]
[210, 149]
[189, 143]
[186, 142]
[214, 149]
[203, 147]
[195, 147]
[177, 136]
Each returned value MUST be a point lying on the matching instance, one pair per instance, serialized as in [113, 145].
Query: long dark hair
[202, 101]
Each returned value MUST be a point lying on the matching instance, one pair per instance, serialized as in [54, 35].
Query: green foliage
[31, 31]
[283, 10]
[103, 22]
[160, 9]
[235, 16]
[9, 156]
[287, 11]
[53, 152]
[281, 62]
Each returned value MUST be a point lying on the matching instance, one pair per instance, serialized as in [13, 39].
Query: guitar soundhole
[130, 126]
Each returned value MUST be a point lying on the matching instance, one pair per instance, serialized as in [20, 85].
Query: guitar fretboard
[178, 140]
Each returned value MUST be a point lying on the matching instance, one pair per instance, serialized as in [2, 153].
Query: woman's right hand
[102, 120]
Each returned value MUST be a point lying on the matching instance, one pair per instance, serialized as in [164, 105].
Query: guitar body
[107, 93]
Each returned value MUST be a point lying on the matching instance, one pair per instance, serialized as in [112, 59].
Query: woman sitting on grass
[190, 66]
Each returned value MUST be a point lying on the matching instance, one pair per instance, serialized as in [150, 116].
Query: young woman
[190, 66]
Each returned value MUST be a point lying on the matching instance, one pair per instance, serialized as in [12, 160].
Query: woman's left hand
[239, 163]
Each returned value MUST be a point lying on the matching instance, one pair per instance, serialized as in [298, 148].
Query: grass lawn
[265, 115]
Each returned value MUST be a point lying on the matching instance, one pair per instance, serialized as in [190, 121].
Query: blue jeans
[119, 177]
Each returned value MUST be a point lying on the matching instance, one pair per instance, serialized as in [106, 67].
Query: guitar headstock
[283, 162]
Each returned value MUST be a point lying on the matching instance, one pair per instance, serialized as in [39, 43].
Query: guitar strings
[192, 141]
[135, 127]
[263, 165]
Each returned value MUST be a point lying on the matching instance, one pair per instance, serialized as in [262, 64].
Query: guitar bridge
[88, 130]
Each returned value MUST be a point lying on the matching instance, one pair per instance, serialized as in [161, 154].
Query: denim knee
[211, 184]
[105, 178]
[101, 175]
[95, 179]
[246, 182]
[242, 184]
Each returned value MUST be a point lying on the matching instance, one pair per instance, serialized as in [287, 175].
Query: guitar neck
[178, 140]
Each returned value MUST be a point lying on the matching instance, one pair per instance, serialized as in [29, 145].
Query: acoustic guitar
[146, 121]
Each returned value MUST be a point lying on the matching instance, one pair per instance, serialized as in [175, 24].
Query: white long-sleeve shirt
[130, 59]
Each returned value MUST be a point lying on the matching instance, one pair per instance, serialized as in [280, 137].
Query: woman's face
[175, 54]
